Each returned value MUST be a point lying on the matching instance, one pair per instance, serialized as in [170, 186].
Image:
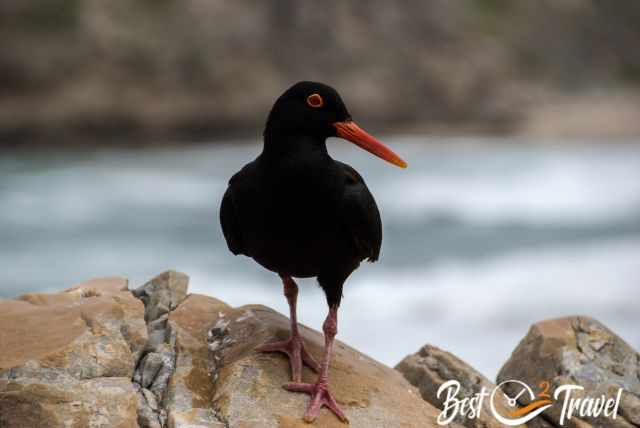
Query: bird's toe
[320, 396]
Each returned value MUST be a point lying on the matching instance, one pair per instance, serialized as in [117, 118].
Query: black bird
[300, 213]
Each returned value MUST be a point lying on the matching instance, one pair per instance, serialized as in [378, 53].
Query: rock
[248, 390]
[431, 367]
[218, 373]
[92, 288]
[85, 332]
[166, 361]
[151, 365]
[582, 351]
[189, 398]
[149, 411]
[162, 294]
[195, 418]
[58, 400]
[67, 358]
[84, 358]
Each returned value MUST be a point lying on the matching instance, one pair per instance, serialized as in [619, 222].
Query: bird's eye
[315, 101]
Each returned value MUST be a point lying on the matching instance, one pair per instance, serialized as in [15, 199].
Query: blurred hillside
[73, 70]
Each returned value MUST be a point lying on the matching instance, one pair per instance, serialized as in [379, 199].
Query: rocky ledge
[102, 355]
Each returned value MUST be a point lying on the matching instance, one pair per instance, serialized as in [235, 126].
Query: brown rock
[83, 331]
[189, 397]
[431, 367]
[582, 351]
[92, 288]
[194, 418]
[62, 401]
[67, 358]
[248, 390]
[82, 358]
[227, 382]
[162, 294]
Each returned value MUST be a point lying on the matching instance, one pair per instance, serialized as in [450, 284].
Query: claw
[320, 396]
[295, 350]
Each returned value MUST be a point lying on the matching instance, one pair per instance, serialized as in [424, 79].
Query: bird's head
[316, 110]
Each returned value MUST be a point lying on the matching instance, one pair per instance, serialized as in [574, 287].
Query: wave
[479, 311]
[532, 186]
[479, 242]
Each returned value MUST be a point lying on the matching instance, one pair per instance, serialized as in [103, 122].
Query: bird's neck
[294, 147]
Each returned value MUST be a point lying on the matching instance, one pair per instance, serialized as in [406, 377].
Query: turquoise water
[481, 237]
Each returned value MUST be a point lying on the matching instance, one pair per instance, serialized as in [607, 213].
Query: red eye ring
[315, 101]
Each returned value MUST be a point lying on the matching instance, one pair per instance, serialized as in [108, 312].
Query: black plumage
[300, 213]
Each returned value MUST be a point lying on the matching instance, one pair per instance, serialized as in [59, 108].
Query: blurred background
[121, 122]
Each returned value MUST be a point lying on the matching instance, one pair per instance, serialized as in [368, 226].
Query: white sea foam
[477, 310]
[540, 188]
[524, 185]
[136, 214]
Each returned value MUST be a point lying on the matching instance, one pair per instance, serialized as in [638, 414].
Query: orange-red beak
[358, 136]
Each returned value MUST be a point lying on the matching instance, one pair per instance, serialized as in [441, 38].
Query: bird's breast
[295, 220]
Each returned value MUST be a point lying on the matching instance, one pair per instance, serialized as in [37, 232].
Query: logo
[524, 403]
[521, 415]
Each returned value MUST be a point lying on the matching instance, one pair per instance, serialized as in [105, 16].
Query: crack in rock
[157, 362]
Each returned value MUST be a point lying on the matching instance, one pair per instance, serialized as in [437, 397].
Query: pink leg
[320, 394]
[294, 346]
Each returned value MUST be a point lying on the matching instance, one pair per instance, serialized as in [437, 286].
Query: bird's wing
[361, 216]
[229, 221]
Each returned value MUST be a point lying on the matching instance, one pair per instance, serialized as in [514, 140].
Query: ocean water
[481, 237]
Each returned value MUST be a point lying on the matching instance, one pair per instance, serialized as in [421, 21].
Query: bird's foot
[295, 350]
[320, 396]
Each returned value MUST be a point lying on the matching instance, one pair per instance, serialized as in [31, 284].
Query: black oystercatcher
[299, 213]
